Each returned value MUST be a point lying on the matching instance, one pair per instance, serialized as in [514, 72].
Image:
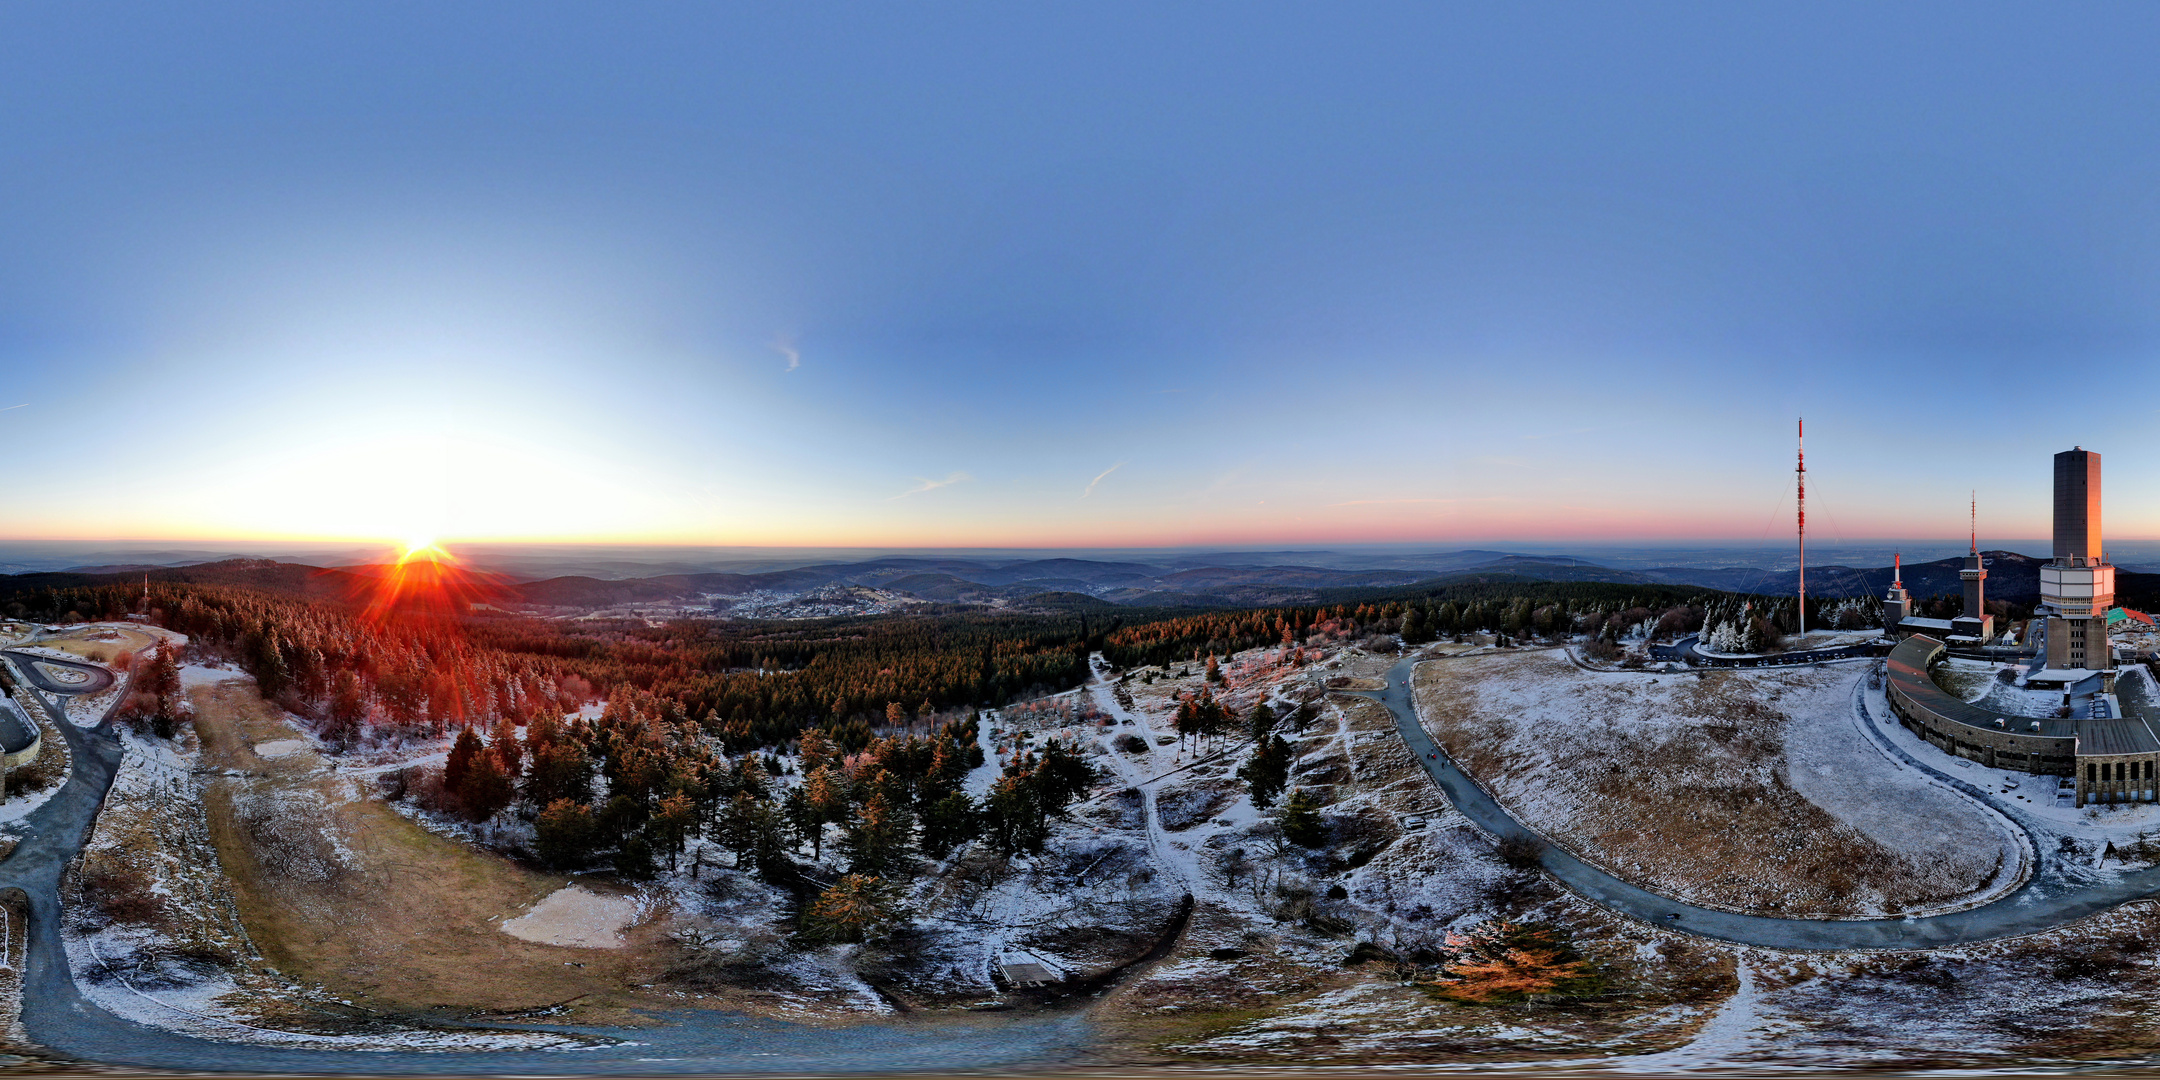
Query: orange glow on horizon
[424, 548]
[425, 579]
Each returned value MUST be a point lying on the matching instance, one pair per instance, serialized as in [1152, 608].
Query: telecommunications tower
[1801, 475]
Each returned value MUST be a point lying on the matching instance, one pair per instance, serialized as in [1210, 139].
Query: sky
[1064, 275]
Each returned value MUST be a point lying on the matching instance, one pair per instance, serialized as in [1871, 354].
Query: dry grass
[101, 644]
[49, 768]
[1682, 785]
[342, 892]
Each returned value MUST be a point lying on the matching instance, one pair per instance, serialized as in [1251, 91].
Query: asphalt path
[1689, 649]
[2055, 894]
[101, 679]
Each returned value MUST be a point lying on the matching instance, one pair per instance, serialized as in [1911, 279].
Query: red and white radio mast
[1801, 474]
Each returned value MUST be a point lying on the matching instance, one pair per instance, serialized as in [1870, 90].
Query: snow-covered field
[1745, 790]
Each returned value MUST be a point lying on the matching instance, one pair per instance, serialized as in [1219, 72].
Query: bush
[121, 894]
[857, 907]
[564, 835]
[1503, 961]
[1521, 851]
[1301, 823]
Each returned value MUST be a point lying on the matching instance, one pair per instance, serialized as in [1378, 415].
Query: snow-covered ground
[1751, 790]
[177, 956]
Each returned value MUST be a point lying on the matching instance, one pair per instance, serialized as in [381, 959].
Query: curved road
[101, 679]
[2048, 899]
[1689, 649]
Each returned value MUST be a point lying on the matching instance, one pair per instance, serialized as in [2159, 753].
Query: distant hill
[1247, 582]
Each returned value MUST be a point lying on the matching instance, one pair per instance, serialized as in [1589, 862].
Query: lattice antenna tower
[1800, 475]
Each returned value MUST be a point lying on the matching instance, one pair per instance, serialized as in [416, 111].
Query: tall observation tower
[2078, 586]
[1976, 623]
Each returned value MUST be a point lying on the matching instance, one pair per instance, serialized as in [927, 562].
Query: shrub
[856, 908]
[1301, 823]
[1504, 961]
[1521, 851]
[122, 894]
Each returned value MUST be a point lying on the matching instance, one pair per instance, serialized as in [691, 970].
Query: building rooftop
[2118, 735]
[2124, 735]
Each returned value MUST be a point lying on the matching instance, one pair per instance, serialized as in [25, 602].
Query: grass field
[1748, 791]
[341, 891]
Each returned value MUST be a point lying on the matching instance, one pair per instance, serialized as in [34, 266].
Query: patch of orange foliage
[1503, 961]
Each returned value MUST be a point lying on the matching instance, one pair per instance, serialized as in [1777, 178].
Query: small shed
[1027, 976]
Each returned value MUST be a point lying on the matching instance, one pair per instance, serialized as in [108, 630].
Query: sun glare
[421, 548]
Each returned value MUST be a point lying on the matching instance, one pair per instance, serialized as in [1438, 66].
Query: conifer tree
[856, 908]
[564, 834]
[951, 821]
[1268, 771]
[459, 763]
[1301, 824]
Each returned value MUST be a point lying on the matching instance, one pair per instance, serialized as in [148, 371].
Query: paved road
[100, 679]
[2054, 895]
[1689, 649]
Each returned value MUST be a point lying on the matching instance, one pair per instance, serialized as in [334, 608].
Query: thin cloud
[923, 485]
[1099, 479]
[1390, 502]
[785, 346]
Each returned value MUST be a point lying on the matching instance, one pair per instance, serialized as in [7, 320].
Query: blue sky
[1042, 274]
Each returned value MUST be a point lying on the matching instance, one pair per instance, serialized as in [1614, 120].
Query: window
[2092, 773]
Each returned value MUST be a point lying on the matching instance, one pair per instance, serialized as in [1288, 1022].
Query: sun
[420, 547]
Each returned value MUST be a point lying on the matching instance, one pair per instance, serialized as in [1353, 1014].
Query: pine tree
[1301, 824]
[564, 834]
[508, 750]
[951, 821]
[459, 763]
[560, 770]
[673, 824]
[856, 908]
[877, 842]
[1268, 771]
[486, 790]
[827, 796]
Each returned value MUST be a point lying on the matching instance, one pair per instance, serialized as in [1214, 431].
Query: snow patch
[577, 917]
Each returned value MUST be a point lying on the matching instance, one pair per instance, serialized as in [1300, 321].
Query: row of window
[2103, 772]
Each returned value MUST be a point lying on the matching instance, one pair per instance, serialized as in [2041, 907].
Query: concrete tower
[1897, 603]
[2077, 508]
[2078, 587]
[1973, 575]
[1975, 622]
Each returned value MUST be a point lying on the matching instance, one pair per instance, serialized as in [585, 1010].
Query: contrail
[1099, 479]
[24, 405]
[923, 485]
